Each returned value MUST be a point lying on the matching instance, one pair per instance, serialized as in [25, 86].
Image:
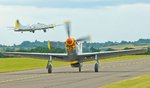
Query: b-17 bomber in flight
[32, 28]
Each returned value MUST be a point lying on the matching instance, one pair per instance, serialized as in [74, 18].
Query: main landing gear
[96, 67]
[49, 65]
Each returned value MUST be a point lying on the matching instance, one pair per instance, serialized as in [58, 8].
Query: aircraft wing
[82, 56]
[108, 54]
[55, 56]
[40, 26]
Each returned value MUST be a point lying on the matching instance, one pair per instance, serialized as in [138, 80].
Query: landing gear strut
[33, 31]
[49, 65]
[96, 68]
[80, 67]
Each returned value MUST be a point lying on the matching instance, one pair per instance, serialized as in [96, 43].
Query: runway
[67, 77]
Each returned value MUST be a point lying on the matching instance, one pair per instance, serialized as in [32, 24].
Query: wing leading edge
[82, 56]
[56, 56]
[109, 54]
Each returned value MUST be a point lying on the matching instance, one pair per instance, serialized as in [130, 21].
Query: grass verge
[128, 57]
[137, 82]
[18, 64]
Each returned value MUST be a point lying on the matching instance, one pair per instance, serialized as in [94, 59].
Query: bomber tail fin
[17, 24]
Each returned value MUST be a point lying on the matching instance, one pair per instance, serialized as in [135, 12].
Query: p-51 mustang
[73, 54]
[32, 28]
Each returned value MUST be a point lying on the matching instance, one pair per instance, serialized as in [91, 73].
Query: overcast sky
[104, 20]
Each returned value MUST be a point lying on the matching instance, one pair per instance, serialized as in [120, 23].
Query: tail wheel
[96, 67]
[49, 68]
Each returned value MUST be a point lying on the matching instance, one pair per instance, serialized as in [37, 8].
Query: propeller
[86, 38]
[67, 24]
[68, 28]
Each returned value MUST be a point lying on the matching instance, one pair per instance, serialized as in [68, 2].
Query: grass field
[137, 82]
[17, 64]
[128, 57]
[119, 47]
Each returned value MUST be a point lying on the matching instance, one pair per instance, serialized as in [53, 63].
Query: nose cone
[69, 40]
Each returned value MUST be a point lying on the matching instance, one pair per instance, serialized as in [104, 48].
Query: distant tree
[110, 49]
[94, 49]
[38, 46]
[3, 56]
[109, 43]
[46, 50]
[143, 41]
[127, 48]
[124, 42]
[22, 50]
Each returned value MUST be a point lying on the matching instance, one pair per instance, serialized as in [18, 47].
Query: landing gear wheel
[96, 67]
[44, 30]
[33, 31]
[79, 68]
[49, 68]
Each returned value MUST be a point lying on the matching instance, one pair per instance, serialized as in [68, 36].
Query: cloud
[71, 3]
[113, 23]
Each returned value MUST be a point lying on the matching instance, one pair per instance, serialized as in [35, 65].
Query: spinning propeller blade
[68, 25]
[68, 29]
[87, 38]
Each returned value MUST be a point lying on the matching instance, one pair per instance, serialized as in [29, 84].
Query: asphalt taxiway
[67, 77]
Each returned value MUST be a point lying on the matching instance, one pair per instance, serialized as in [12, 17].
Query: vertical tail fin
[49, 45]
[17, 24]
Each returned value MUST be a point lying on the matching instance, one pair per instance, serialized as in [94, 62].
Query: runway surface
[67, 77]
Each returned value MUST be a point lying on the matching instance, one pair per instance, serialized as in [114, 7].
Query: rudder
[17, 24]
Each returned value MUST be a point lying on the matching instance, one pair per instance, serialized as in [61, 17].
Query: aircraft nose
[69, 40]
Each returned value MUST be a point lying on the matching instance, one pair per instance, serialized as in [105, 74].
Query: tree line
[59, 47]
